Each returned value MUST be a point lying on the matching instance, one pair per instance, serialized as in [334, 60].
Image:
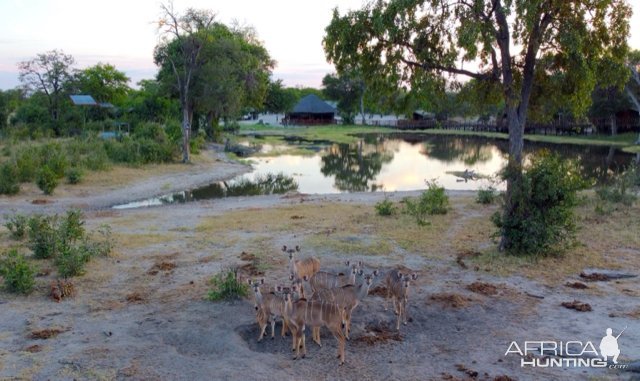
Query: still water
[398, 162]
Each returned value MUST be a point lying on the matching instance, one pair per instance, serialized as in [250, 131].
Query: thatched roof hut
[311, 110]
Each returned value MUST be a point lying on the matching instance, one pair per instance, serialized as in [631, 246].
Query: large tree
[48, 73]
[104, 83]
[279, 99]
[183, 56]
[348, 90]
[416, 43]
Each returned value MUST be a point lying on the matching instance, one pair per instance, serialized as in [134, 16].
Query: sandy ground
[141, 314]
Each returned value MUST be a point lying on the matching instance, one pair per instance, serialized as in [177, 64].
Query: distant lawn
[348, 134]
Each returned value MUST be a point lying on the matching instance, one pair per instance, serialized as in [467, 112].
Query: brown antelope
[347, 296]
[314, 313]
[326, 280]
[302, 267]
[398, 290]
[269, 307]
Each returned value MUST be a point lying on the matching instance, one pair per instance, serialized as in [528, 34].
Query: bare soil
[141, 313]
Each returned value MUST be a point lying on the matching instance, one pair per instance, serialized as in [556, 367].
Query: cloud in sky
[123, 32]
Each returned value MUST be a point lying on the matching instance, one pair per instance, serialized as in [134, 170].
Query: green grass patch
[227, 286]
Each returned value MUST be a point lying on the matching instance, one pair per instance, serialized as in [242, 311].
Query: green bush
[72, 259]
[17, 225]
[71, 228]
[102, 245]
[9, 179]
[27, 161]
[74, 175]
[43, 236]
[487, 195]
[542, 221]
[226, 286]
[197, 143]
[18, 274]
[432, 201]
[46, 180]
[621, 190]
[385, 207]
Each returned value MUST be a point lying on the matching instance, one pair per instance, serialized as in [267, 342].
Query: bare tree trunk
[636, 103]
[614, 125]
[186, 129]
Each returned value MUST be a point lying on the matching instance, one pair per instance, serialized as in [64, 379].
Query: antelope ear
[399, 274]
[279, 288]
[249, 282]
[414, 276]
[297, 248]
[291, 276]
[284, 248]
[256, 307]
[294, 288]
[348, 263]
[306, 278]
[376, 272]
[261, 280]
[360, 272]
[359, 263]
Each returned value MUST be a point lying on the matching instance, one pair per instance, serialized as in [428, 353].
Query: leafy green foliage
[74, 175]
[347, 89]
[46, 180]
[487, 195]
[622, 190]
[43, 236]
[17, 225]
[432, 201]
[9, 179]
[227, 286]
[542, 222]
[385, 207]
[72, 259]
[18, 274]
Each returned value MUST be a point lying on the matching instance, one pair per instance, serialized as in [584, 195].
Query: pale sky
[123, 33]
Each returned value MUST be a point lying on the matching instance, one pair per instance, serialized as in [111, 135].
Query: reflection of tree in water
[355, 166]
[448, 149]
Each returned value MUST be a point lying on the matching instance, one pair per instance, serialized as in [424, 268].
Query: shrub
[9, 179]
[487, 195]
[197, 143]
[43, 236]
[17, 225]
[18, 274]
[27, 161]
[74, 175]
[72, 227]
[103, 245]
[385, 207]
[46, 180]
[72, 259]
[432, 201]
[542, 219]
[226, 286]
[621, 191]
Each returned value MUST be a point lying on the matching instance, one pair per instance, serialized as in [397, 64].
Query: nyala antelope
[348, 296]
[398, 290]
[269, 307]
[314, 313]
[302, 267]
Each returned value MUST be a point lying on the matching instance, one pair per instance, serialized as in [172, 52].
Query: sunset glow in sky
[124, 33]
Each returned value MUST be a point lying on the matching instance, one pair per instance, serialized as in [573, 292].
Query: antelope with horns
[269, 307]
[314, 313]
[302, 267]
[398, 290]
[348, 297]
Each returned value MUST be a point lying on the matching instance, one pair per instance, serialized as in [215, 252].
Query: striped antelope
[314, 313]
[302, 267]
[348, 296]
[269, 307]
[398, 290]
[326, 280]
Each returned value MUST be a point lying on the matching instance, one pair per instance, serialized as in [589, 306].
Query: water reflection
[355, 167]
[403, 162]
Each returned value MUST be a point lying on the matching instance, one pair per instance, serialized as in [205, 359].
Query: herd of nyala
[318, 298]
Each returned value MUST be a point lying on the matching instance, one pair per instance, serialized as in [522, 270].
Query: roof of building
[312, 104]
[83, 100]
